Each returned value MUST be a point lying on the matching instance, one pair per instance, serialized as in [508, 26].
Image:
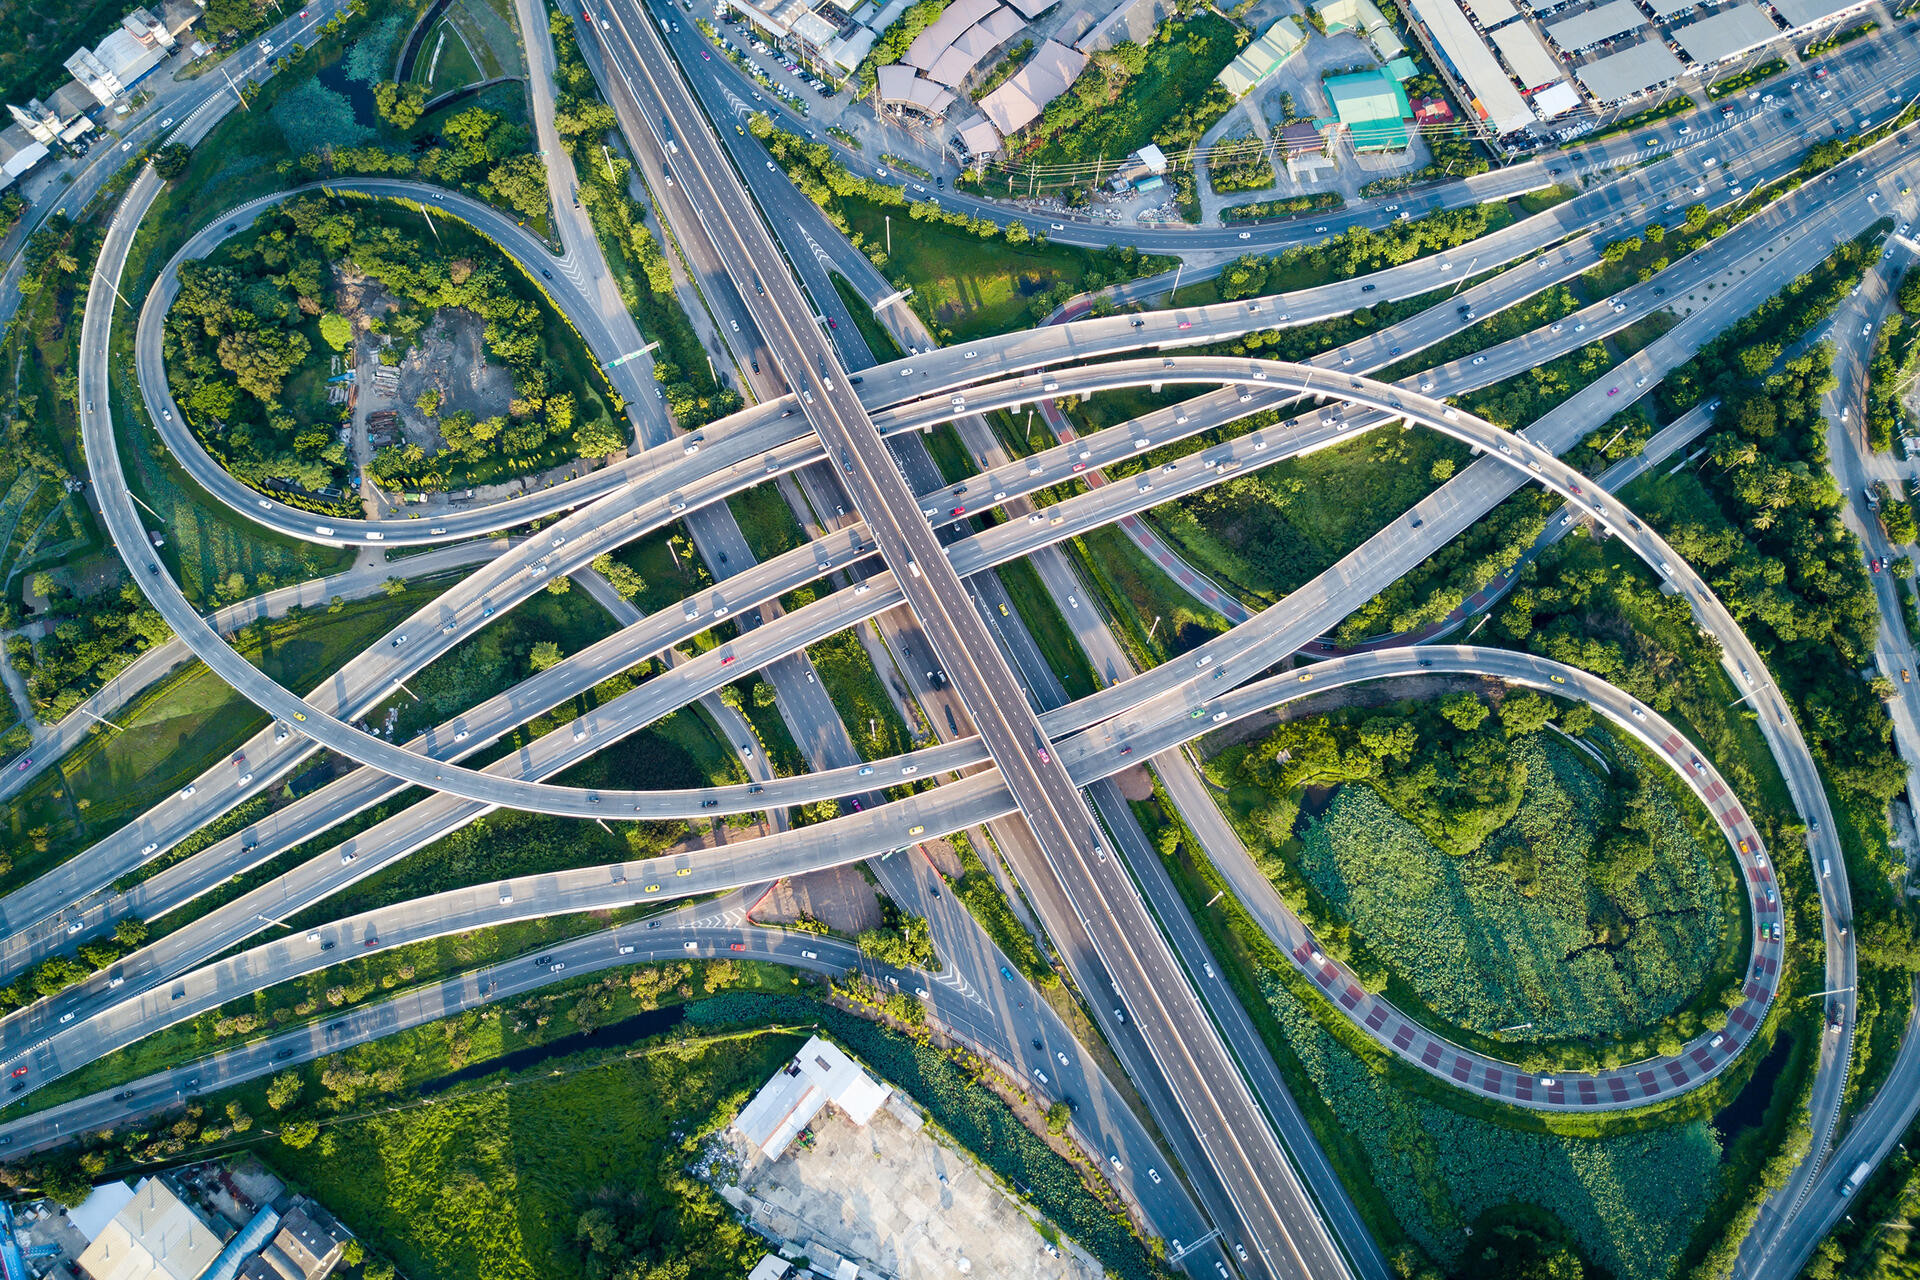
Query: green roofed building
[1263, 57]
[1374, 109]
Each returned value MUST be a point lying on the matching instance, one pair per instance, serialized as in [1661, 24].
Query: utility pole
[82, 709]
[236, 89]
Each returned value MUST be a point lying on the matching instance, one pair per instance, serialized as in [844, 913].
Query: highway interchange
[835, 421]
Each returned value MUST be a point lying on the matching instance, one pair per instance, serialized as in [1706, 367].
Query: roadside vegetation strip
[1828, 43]
[1312, 202]
[980, 890]
[633, 253]
[1746, 79]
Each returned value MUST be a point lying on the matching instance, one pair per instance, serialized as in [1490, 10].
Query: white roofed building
[1727, 34]
[156, 1236]
[819, 1074]
[1490, 93]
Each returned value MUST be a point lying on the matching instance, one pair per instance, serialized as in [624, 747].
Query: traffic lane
[137, 1012]
[1091, 756]
[370, 677]
[592, 664]
[794, 351]
[622, 946]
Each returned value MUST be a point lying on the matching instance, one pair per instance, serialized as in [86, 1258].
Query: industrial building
[818, 1075]
[1726, 35]
[155, 1236]
[1483, 82]
[1262, 57]
[1373, 109]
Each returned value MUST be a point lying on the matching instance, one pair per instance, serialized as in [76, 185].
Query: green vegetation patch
[970, 276]
[1487, 950]
[261, 325]
[531, 1182]
[1632, 1200]
[1163, 92]
[1264, 534]
[872, 719]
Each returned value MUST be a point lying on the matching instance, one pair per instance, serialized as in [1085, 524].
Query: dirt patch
[940, 853]
[838, 897]
[450, 358]
[360, 298]
[1135, 783]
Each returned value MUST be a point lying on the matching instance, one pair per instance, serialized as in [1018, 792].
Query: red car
[832, 323]
[737, 946]
[960, 511]
[727, 661]
[20, 1071]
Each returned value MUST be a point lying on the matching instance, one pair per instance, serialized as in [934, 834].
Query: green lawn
[1136, 593]
[1263, 535]
[873, 720]
[963, 286]
[1094, 121]
[455, 65]
[767, 522]
[176, 730]
[878, 339]
[495, 658]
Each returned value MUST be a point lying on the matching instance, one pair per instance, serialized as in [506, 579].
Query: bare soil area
[838, 897]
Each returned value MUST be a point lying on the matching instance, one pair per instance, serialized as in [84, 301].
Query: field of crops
[1632, 1200]
[1485, 949]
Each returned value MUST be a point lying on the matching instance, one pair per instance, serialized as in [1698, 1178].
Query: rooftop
[1630, 71]
[820, 1073]
[1495, 99]
[1373, 107]
[157, 1236]
[1726, 34]
[1602, 22]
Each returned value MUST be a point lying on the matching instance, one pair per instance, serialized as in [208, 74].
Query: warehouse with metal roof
[1727, 34]
[1527, 55]
[1374, 109]
[1603, 22]
[1494, 99]
[1620, 76]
